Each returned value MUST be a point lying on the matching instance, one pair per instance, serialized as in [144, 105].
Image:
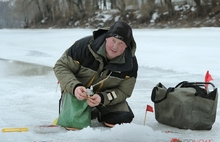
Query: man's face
[114, 47]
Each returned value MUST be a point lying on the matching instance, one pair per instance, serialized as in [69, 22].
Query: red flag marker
[148, 108]
[208, 78]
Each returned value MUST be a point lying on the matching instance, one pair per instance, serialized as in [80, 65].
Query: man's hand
[94, 100]
[81, 93]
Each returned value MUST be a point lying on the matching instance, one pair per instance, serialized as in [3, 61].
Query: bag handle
[153, 96]
[181, 84]
[191, 84]
[200, 87]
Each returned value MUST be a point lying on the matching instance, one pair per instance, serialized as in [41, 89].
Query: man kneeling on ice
[97, 74]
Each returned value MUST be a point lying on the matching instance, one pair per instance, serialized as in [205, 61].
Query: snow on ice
[28, 95]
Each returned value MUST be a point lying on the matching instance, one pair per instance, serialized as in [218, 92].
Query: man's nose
[115, 46]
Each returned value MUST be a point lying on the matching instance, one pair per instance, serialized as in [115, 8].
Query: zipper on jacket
[102, 80]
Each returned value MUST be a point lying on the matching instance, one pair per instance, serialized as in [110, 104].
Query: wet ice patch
[17, 68]
[37, 54]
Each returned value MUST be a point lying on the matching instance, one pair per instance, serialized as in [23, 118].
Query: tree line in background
[26, 13]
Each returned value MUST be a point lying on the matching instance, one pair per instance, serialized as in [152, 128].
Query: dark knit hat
[121, 30]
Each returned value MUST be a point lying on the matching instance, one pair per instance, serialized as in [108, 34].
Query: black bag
[188, 105]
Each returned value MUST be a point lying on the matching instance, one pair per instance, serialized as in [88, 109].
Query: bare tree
[79, 6]
[170, 7]
[113, 4]
[5, 11]
[121, 7]
[95, 5]
[199, 7]
[39, 6]
[71, 7]
[25, 8]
